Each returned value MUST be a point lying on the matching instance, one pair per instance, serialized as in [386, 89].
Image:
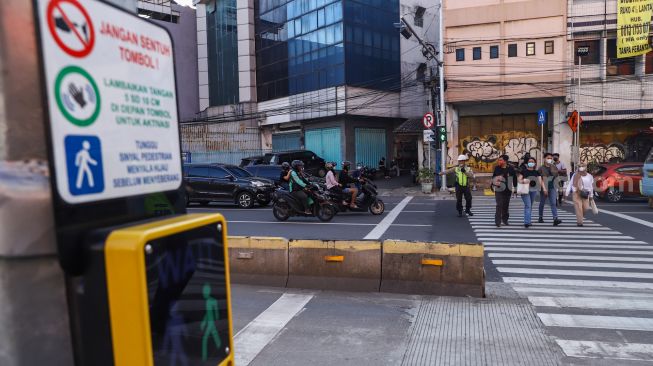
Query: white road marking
[317, 223]
[603, 350]
[251, 340]
[570, 257]
[566, 272]
[432, 211]
[629, 218]
[575, 251]
[493, 228]
[612, 264]
[576, 291]
[571, 241]
[580, 283]
[591, 303]
[381, 228]
[536, 231]
[637, 213]
[596, 322]
[557, 235]
[587, 246]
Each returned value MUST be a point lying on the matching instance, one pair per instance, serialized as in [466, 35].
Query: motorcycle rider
[345, 180]
[284, 176]
[299, 185]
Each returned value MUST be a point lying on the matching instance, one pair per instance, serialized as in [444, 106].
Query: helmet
[328, 165]
[296, 164]
[346, 164]
[463, 157]
[285, 165]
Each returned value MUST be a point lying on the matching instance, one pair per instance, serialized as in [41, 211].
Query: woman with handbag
[529, 183]
[582, 186]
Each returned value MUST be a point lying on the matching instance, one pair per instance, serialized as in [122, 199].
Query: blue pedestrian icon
[541, 117]
[84, 165]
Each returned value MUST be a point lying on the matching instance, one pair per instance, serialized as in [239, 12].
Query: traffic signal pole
[442, 113]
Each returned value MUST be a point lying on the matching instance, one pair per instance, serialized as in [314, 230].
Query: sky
[185, 2]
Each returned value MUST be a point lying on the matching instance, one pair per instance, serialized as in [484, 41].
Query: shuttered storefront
[325, 142]
[371, 146]
[286, 141]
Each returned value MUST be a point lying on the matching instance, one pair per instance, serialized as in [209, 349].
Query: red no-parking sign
[428, 120]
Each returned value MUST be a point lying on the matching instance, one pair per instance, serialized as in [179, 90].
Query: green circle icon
[77, 97]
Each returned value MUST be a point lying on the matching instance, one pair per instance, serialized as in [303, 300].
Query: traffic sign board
[110, 79]
[428, 120]
[428, 136]
[541, 117]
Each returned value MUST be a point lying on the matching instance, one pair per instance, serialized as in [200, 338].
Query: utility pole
[443, 122]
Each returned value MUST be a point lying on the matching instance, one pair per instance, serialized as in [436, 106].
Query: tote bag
[523, 188]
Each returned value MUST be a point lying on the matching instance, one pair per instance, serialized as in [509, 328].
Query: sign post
[429, 122]
[541, 121]
[580, 52]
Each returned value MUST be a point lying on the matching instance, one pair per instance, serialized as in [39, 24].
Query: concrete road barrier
[258, 260]
[335, 265]
[433, 268]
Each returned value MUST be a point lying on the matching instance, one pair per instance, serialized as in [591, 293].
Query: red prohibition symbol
[63, 23]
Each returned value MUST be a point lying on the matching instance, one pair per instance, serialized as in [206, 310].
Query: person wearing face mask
[562, 177]
[532, 177]
[463, 175]
[582, 187]
[504, 180]
[548, 192]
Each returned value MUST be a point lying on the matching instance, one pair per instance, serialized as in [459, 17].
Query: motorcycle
[366, 200]
[366, 172]
[286, 206]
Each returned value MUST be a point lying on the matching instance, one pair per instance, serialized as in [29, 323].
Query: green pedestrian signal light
[442, 133]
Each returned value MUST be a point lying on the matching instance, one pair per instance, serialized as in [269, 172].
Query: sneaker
[540, 220]
[557, 222]
[579, 225]
[469, 213]
[498, 225]
[505, 223]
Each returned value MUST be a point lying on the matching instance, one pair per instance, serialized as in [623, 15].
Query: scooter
[366, 200]
[286, 206]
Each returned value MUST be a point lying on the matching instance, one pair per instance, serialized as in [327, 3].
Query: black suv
[313, 164]
[207, 183]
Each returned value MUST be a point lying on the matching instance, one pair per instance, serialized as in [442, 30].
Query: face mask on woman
[531, 165]
[582, 169]
[549, 161]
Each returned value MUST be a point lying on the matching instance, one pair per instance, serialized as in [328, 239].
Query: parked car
[252, 161]
[647, 179]
[617, 181]
[271, 172]
[313, 164]
[206, 183]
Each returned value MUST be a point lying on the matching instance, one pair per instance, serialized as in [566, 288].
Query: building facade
[505, 61]
[615, 99]
[323, 75]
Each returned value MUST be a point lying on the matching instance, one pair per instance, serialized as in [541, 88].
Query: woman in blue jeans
[533, 178]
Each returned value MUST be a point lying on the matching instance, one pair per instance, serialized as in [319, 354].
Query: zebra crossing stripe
[579, 283]
[576, 251]
[572, 241]
[565, 272]
[557, 235]
[581, 291]
[571, 257]
[619, 351]
[580, 246]
[596, 322]
[591, 303]
[612, 264]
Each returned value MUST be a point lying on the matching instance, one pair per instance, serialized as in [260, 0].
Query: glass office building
[308, 45]
[222, 49]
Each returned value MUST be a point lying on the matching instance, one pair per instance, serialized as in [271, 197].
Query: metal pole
[580, 76]
[542, 143]
[443, 121]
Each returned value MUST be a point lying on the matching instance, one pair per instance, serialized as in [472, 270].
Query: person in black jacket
[504, 183]
[284, 176]
[345, 180]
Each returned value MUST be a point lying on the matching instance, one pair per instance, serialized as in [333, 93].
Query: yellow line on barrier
[243, 242]
[456, 250]
[345, 245]
[432, 262]
[334, 258]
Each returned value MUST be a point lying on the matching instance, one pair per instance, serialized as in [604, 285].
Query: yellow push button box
[168, 292]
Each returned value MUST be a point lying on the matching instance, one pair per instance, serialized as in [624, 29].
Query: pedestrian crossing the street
[592, 286]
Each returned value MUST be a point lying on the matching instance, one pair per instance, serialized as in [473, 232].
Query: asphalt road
[590, 288]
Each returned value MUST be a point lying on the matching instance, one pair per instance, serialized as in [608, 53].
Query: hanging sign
[633, 26]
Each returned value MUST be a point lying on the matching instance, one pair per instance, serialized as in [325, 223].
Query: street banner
[633, 25]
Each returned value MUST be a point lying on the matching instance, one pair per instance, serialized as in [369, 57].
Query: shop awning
[411, 126]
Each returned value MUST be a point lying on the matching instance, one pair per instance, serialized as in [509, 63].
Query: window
[512, 50]
[477, 53]
[633, 171]
[419, 16]
[197, 172]
[548, 47]
[618, 66]
[594, 56]
[218, 173]
[238, 172]
[460, 54]
[530, 49]
[494, 51]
